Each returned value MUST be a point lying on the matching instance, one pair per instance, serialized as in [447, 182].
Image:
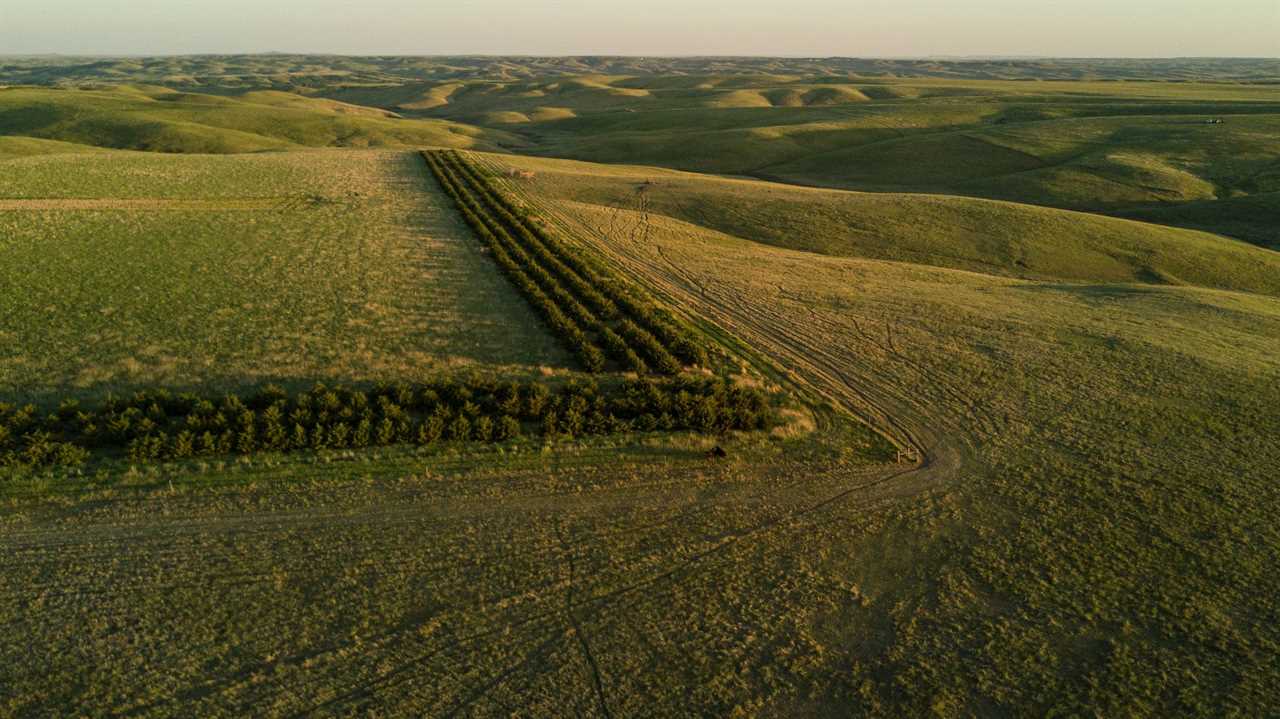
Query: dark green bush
[477, 407]
[298, 438]
[340, 435]
[598, 287]
[184, 445]
[431, 429]
[550, 424]
[459, 429]
[536, 397]
[483, 429]
[207, 443]
[363, 434]
[386, 432]
[507, 427]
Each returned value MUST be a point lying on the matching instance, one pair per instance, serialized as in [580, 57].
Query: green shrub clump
[154, 426]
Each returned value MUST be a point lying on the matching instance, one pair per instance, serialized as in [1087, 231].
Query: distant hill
[11, 147]
[159, 119]
[285, 71]
[1158, 140]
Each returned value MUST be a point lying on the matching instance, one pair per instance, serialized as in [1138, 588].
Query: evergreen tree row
[679, 339]
[538, 287]
[656, 341]
[160, 426]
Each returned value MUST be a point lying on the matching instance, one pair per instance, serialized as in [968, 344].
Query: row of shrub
[160, 425]
[583, 276]
[532, 241]
[619, 292]
[645, 339]
[537, 286]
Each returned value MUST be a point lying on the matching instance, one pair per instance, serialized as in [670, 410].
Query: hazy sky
[1113, 28]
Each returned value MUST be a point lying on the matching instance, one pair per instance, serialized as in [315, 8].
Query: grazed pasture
[136, 271]
[1087, 527]
[1024, 568]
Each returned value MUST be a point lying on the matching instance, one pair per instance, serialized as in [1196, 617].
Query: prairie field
[143, 270]
[994, 237]
[682, 387]
[146, 117]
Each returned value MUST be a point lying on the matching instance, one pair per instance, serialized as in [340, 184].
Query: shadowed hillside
[1132, 138]
[158, 119]
[994, 237]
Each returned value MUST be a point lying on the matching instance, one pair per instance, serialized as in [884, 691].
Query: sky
[857, 28]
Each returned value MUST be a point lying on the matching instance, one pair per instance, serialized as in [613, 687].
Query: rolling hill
[157, 119]
[987, 236]
[287, 71]
[1019, 393]
[1126, 147]
[1251, 217]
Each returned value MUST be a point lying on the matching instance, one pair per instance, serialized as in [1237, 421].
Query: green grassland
[1099, 431]
[1047, 282]
[1250, 217]
[1087, 163]
[945, 231]
[1135, 144]
[17, 146]
[1111, 147]
[1090, 530]
[139, 270]
[160, 119]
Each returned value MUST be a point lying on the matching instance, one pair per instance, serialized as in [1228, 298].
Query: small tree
[460, 428]
[482, 429]
[508, 428]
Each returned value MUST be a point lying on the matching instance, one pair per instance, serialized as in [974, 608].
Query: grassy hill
[1106, 147]
[1002, 238]
[1025, 456]
[147, 118]
[1099, 431]
[1084, 163]
[13, 147]
[1251, 217]
[1118, 146]
[1090, 529]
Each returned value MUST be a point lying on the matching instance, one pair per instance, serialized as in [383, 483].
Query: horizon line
[784, 56]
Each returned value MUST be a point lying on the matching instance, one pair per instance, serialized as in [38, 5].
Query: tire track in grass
[730, 312]
[479, 692]
[375, 644]
[807, 347]
[599, 602]
[401, 673]
[866, 398]
[932, 466]
[583, 643]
